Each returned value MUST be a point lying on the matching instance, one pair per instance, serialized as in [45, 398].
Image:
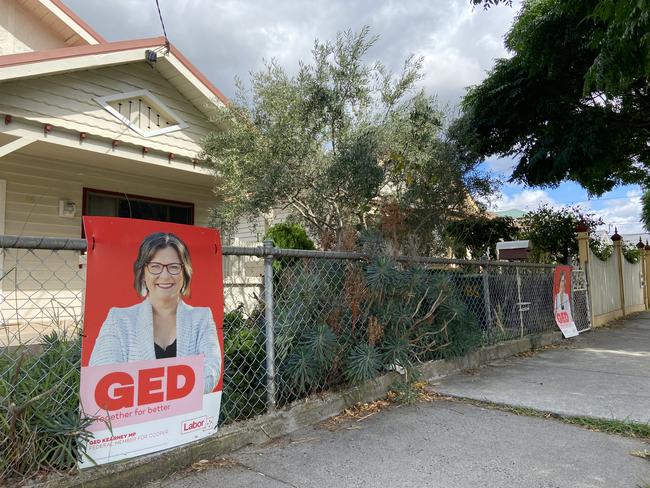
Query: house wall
[68, 101]
[244, 275]
[21, 31]
[35, 186]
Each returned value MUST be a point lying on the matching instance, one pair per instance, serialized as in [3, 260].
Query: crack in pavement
[559, 366]
[253, 470]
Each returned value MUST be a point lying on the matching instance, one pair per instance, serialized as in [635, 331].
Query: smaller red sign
[562, 301]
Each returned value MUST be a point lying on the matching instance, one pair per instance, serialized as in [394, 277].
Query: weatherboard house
[91, 127]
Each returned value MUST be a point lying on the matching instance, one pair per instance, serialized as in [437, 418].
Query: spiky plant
[346, 323]
[41, 427]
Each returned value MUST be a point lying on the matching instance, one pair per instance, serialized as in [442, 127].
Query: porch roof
[93, 154]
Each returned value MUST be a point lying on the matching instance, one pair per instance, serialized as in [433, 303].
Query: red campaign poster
[562, 301]
[152, 350]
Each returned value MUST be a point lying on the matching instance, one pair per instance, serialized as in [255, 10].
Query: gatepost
[618, 252]
[646, 274]
[583, 256]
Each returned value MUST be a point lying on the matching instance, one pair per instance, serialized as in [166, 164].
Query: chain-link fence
[298, 322]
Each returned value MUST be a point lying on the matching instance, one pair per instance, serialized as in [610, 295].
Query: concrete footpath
[453, 444]
[604, 373]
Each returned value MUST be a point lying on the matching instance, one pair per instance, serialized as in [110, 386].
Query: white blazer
[127, 335]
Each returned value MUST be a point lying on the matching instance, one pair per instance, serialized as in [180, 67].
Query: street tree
[645, 210]
[337, 142]
[572, 102]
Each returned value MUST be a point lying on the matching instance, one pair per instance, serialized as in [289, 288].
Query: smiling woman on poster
[162, 325]
[562, 301]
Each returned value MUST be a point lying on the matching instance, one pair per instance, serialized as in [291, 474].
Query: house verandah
[46, 195]
[90, 127]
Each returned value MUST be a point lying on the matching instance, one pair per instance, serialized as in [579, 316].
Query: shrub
[288, 236]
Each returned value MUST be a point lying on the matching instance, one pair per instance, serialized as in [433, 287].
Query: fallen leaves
[645, 454]
[358, 413]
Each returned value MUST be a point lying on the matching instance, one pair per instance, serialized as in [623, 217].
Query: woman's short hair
[151, 245]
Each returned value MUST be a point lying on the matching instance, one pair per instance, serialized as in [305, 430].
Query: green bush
[604, 250]
[289, 236]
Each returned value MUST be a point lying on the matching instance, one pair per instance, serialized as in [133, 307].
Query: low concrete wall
[260, 429]
[635, 308]
[600, 320]
[604, 319]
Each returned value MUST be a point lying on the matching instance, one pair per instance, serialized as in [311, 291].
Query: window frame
[164, 201]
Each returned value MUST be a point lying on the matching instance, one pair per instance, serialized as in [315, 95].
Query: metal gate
[580, 300]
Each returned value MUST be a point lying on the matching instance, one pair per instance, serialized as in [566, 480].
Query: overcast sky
[228, 38]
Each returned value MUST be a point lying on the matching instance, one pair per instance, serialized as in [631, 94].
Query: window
[111, 204]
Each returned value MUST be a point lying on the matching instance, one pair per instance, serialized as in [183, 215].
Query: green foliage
[645, 210]
[631, 252]
[330, 141]
[40, 424]
[364, 363]
[480, 235]
[464, 333]
[602, 249]
[289, 236]
[490, 3]
[553, 232]
[244, 376]
[571, 102]
[313, 357]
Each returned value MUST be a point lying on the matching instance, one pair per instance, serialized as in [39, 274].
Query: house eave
[102, 149]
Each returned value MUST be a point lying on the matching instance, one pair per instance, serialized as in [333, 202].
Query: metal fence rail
[310, 321]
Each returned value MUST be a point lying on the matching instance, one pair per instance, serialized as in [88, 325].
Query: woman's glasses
[157, 268]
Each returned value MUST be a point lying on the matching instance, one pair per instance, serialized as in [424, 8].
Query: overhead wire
[162, 23]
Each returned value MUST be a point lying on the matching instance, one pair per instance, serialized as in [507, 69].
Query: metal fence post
[486, 298]
[268, 323]
[519, 303]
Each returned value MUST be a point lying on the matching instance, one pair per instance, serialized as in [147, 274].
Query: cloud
[503, 166]
[233, 37]
[524, 200]
[623, 213]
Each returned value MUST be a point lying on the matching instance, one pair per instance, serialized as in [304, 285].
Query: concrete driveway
[604, 373]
